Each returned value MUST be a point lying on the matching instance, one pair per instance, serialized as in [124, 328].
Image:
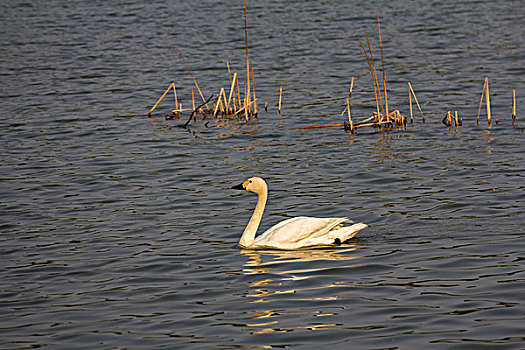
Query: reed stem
[189, 70]
[481, 100]
[238, 92]
[376, 81]
[161, 98]
[216, 109]
[321, 126]
[513, 104]
[415, 98]
[382, 62]
[487, 101]
[254, 97]
[232, 89]
[371, 72]
[280, 97]
[192, 98]
[410, 103]
[175, 96]
[229, 71]
[349, 116]
[226, 105]
[247, 93]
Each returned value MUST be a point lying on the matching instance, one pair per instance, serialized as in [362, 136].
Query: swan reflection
[263, 260]
[280, 277]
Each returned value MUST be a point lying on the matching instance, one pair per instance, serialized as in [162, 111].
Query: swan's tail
[345, 233]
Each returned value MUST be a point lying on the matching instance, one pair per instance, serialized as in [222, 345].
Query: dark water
[122, 232]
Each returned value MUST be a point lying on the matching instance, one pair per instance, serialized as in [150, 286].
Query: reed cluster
[452, 119]
[486, 94]
[230, 102]
[238, 100]
[382, 117]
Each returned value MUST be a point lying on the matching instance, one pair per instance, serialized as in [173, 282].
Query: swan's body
[294, 233]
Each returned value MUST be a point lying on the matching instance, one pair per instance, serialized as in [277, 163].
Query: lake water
[122, 232]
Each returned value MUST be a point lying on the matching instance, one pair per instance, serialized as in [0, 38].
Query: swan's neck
[248, 235]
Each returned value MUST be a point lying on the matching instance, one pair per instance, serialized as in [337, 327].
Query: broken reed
[452, 119]
[485, 93]
[514, 107]
[382, 117]
[233, 105]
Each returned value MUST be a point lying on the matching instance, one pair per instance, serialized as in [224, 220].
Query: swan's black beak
[239, 187]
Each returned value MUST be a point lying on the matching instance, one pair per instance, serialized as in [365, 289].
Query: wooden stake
[487, 101]
[161, 98]
[456, 117]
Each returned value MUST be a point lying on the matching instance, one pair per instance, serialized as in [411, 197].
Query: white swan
[294, 233]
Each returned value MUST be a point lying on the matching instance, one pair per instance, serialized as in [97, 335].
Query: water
[121, 232]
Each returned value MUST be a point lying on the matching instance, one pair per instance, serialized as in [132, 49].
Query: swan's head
[253, 184]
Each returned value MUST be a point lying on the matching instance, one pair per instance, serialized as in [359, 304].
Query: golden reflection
[490, 139]
[262, 260]
[285, 272]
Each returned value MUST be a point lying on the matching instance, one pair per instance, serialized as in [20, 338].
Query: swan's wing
[298, 229]
[347, 232]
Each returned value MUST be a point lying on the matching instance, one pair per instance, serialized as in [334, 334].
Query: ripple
[122, 232]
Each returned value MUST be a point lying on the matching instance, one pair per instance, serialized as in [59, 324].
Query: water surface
[121, 232]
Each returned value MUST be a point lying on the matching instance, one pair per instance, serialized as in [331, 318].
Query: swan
[295, 233]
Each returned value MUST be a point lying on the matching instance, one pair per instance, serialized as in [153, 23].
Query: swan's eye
[250, 181]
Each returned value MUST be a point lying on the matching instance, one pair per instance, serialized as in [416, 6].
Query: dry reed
[382, 117]
[513, 105]
[415, 98]
[351, 125]
[280, 98]
[382, 62]
[189, 70]
[225, 105]
[178, 106]
[485, 93]
[487, 102]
